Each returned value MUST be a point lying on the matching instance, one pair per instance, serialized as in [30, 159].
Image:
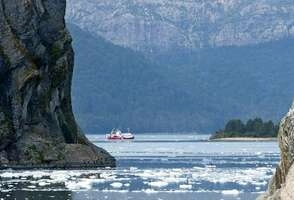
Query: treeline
[252, 128]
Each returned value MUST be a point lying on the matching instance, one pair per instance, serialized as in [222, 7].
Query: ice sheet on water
[171, 179]
[156, 167]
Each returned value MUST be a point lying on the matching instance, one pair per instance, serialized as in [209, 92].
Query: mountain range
[156, 26]
[171, 83]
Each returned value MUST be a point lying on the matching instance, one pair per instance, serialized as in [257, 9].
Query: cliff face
[37, 125]
[152, 26]
[282, 184]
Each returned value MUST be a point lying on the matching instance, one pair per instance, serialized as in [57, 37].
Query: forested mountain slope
[182, 90]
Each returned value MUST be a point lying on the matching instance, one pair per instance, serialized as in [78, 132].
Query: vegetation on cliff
[252, 128]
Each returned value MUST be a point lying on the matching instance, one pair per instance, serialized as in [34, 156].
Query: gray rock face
[37, 126]
[162, 25]
[282, 184]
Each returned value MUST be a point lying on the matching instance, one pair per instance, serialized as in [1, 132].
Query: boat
[128, 136]
[117, 134]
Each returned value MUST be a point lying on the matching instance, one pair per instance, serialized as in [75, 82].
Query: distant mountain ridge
[199, 90]
[157, 26]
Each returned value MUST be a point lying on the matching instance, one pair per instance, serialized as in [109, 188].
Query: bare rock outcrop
[37, 126]
[157, 26]
[282, 184]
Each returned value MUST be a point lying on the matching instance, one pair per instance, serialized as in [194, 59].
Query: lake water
[156, 167]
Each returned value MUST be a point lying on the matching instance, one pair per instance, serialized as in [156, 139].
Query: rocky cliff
[37, 126]
[152, 26]
[282, 184]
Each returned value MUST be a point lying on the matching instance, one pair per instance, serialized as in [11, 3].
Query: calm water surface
[159, 167]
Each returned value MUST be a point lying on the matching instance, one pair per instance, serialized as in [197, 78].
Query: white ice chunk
[116, 185]
[82, 184]
[186, 187]
[43, 183]
[149, 191]
[158, 184]
[127, 185]
[231, 192]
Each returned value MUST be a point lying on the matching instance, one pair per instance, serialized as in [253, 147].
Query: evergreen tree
[250, 125]
[235, 126]
[258, 126]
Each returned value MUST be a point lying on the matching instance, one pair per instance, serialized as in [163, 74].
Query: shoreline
[244, 139]
[67, 166]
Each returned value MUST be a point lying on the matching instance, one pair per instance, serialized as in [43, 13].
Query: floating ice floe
[43, 183]
[175, 180]
[116, 185]
[133, 169]
[186, 187]
[127, 185]
[158, 184]
[32, 186]
[231, 192]
[83, 184]
[149, 191]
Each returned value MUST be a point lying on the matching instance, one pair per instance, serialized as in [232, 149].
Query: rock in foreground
[282, 184]
[37, 126]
